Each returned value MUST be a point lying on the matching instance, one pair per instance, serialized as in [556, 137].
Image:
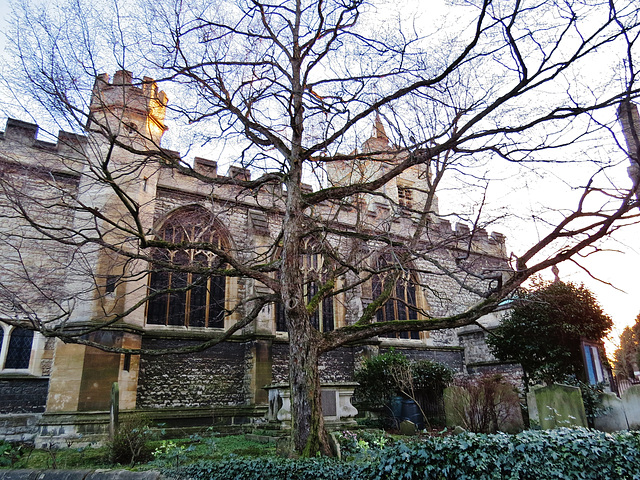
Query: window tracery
[179, 294]
[15, 347]
[316, 269]
[402, 305]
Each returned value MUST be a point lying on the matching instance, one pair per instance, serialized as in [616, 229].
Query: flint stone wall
[216, 376]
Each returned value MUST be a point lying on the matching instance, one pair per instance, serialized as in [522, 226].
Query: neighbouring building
[51, 388]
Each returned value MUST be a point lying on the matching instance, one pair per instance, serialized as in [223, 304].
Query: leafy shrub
[240, 468]
[558, 454]
[390, 374]
[592, 400]
[376, 383]
[10, 453]
[171, 453]
[428, 375]
[483, 404]
[130, 444]
[357, 445]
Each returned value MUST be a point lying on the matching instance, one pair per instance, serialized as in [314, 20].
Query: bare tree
[291, 89]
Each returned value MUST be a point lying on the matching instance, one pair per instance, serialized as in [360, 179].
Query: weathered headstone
[631, 401]
[114, 410]
[453, 403]
[508, 411]
[556, 406]
[408, 428]
[614, 418]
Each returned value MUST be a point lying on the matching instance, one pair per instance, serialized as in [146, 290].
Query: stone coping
[79, 475]
[322, 385]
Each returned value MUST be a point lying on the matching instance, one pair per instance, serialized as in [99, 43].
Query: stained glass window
[179, 295]
[402, 303]
[19, 351]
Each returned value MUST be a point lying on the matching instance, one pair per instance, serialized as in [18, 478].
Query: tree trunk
[308, 432]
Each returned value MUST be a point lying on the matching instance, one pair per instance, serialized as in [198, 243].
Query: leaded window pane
[157, 312]
[191, 298]
[327, 315]
[178, 294]
[198, 301]
[216, 302]
[19, 351]
[312, 289]
[401, 306]
[281, 323]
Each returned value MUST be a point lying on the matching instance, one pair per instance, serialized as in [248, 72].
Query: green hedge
[554, 454]
[239, 468]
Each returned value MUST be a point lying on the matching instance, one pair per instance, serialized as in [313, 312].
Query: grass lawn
[165, 453]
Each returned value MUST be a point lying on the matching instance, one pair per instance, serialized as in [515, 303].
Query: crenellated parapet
[136, 106]
[461, 236]
[441, 231]
[26, 134]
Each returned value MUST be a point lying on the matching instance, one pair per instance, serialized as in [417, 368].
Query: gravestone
[631, 402]
[453, 404]
[556, 406]
[408, 428]
[114, 410]
[614, 418]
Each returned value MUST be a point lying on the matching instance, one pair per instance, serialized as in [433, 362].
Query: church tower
[118, 179]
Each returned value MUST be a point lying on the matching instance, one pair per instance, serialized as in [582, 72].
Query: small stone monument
[408, 428]
[114, 410]
[556, 406]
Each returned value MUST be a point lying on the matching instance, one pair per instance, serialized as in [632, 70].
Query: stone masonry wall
[476, 349]
[335, 366]
[23, 395]
[452, 358]
[213, 377]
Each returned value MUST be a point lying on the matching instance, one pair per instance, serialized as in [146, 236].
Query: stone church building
[49, 387]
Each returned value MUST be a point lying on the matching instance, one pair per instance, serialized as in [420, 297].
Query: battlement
[129, 101]
[145, 97]
[26, 134]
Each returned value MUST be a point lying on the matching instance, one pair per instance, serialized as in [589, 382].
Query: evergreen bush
[551, 454]
[379, 381]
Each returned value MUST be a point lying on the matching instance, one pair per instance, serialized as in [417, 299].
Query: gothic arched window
[315, 269]
[179, 296]
[402, 305]
[15, 347]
